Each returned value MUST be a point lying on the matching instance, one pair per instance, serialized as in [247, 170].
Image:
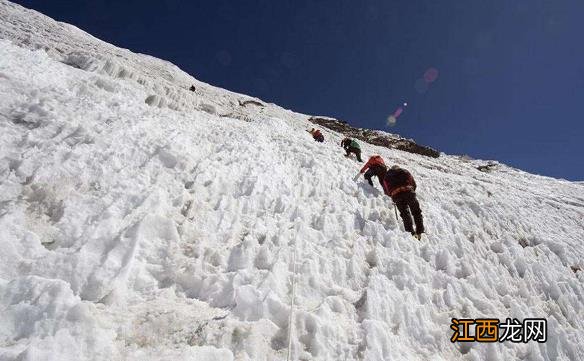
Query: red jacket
[376, 160]
[316, 133]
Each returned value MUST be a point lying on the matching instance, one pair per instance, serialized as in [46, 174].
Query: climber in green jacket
[351, 146]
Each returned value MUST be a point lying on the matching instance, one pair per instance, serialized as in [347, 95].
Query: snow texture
[140, 220]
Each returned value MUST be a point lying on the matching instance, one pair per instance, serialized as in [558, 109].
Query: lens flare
[392, 119]
[398, 112]
[431, 75]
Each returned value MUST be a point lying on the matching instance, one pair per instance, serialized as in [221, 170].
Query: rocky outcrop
[250, 102]
[375, 137]
[487, 167]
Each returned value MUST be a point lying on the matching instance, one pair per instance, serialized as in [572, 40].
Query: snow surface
[139, 220]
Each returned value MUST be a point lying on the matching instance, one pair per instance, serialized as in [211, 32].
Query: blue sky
[510, 82]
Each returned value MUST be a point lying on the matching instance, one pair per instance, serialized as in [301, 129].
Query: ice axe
[396, 219]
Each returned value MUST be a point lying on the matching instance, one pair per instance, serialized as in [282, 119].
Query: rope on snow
[292, 299]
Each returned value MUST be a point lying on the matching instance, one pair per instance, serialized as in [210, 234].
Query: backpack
[354, 144]
[398, 177]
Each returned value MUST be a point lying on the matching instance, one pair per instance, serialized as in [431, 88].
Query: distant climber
[399, 184]
[375, 166]
[317, 135]
[192, 88]
[351, 146]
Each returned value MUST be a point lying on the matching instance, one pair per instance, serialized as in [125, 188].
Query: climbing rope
[292, 299]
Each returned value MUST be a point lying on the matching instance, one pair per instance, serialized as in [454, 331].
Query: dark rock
[375, 137]
[487, 167]
[250, 101]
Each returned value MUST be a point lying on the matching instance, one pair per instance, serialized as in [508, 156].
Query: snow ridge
[165, 229]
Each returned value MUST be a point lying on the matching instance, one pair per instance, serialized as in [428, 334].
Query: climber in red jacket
[375, 166]
[317, 135]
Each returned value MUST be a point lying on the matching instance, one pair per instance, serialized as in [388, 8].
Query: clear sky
[510, 73]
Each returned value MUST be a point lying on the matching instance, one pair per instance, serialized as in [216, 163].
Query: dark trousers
[356, 151]
[319, 138]
[406, 202]
[369, 174]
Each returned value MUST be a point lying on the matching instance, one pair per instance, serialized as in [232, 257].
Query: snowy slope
[139, 220]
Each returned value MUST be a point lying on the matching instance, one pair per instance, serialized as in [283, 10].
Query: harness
[401, 189]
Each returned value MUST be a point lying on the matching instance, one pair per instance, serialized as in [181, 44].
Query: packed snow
[140, 220]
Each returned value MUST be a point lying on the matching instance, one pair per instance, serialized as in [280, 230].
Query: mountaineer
[375, 166]
[316, 134]
[400, 185]
[351, 146]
